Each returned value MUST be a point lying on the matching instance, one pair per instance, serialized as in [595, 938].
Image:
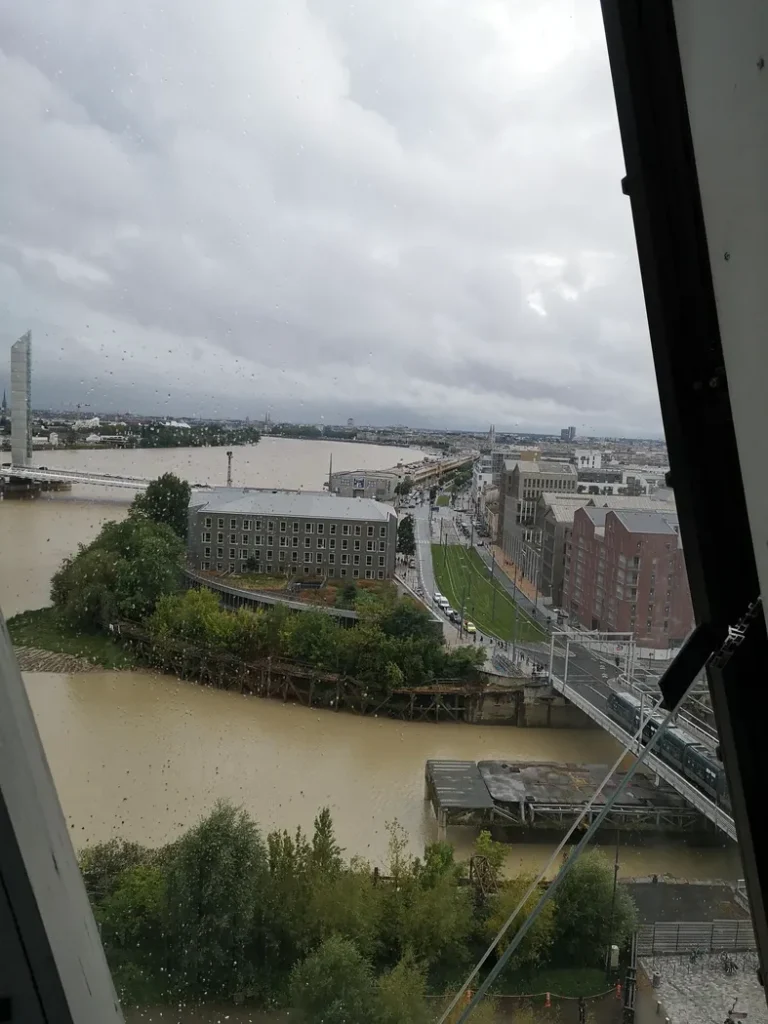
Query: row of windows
[370, 574]
[283, 526]
[244, 539]
[246, 555]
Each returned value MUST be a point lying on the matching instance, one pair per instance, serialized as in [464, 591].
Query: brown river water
[144, 756]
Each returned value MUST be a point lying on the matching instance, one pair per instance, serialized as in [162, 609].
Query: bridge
[77, 476]
[592, 703]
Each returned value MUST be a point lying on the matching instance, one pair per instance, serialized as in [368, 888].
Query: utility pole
[229, 469]
[493, 587]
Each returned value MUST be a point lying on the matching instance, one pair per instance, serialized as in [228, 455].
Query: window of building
[344, 559]
[318, 558]
[357, 545]
[331, 558]
[382, 531]
[219, 552]
[233, 524]
[207, 552]
[332, 571]
[321, 527]
[246, 524]
[219, 566]
[356, 574]
[283, 542]
[206, 565]
[332, 543]
[342, 572]
[321, 542]
[358, 531]
[294, 556]
[356, 559]
[220, 523]
[307, 556]
[332, 528]
[269, 556]
[308, 527]
[244, 553]
[380, 574]
[208, 521]
[233, 538]
[307, 542]
[296, 527]
[306, 570]
[206, 537]
[258, 540]
[369, 559]
[382, 545]
[345, 528]
[283, 526]
[381, 560]
[270, 526]
[368, 574]
[344, 544]
[270, 540]
[294, 542]
[232, 553]
[220, 538]
[231, 566]
[282, 556]
[370, 531]
[257, 524]
[245, 538]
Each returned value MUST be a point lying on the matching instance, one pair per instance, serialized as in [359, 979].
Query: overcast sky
[404, 211]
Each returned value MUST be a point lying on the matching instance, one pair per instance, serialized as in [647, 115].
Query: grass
[559, 981]
[443, 499]
[462, 574]
[44, 629]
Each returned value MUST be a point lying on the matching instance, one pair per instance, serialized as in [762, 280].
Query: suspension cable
[566, 867]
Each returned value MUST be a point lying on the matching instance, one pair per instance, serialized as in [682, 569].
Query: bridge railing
[693, 795]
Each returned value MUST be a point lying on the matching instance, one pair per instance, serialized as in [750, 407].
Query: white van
[438, 598]
[444, 603]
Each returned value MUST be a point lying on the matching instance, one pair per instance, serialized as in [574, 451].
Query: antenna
[330, 473]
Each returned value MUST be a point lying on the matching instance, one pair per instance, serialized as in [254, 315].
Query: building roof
[658, 521]
[564, 511]
[664, 502]
[596, 515]
[550, 468]
[303, 504]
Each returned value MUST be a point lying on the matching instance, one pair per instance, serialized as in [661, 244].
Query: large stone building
[523, 483]
[297, 533]
[555, 518]
[625, 572]
[376, 484]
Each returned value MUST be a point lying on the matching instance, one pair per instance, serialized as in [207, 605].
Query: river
[144, 756]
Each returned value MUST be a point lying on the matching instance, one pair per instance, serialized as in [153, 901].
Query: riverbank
[38, 634]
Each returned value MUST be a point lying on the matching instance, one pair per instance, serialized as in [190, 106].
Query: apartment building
[523, 483]
[296, 533]
[555, 518]
[625, 572]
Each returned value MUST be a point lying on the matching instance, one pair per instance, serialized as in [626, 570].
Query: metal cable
[564, 870]
[628, 749]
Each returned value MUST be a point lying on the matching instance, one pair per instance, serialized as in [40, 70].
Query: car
[469, 626]
[437, 597]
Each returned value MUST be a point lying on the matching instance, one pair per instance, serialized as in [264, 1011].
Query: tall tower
[21, 403]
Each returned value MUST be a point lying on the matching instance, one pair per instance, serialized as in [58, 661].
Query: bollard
[547, 1001]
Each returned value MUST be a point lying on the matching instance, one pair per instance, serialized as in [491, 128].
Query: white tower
[21, 405]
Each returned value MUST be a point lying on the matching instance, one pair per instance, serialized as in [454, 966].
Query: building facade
[21, 401]
[555, 516]
[292, 533]
[376, 485]
[625, 572]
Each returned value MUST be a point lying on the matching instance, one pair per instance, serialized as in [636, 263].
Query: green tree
[406, 539]
[588, 917]
[166, 500]
[402, 995]
[123, 573]
[215, 882]
[103, 864]
[537, 944]
[334, 983]
[408, 618]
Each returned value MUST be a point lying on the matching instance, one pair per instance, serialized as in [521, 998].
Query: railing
[693, 795]
[700, 936]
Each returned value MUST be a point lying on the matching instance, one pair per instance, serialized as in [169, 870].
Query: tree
[432, 495]
[406, 538]
[215, 883]
[166, 500]
[588, 918]
[408, 618]
[103, 864]
[402, 995]
[334, 983]
[537, 943]
[123, 573]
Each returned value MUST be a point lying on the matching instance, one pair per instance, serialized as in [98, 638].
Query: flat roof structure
[258, 501]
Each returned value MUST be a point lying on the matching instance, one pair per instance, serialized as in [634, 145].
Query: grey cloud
[409, 211]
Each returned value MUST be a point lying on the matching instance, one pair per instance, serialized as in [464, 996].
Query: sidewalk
[524, 585]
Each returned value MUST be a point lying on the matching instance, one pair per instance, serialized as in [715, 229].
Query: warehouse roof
[303, 504]
[658, 521]
[564, 511]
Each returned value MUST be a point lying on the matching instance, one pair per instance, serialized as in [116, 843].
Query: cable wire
[628, 749]
[564, 870]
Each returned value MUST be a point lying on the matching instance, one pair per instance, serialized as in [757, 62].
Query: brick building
[625, 572]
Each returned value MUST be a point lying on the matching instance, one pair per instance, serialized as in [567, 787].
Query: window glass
[370, 269]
